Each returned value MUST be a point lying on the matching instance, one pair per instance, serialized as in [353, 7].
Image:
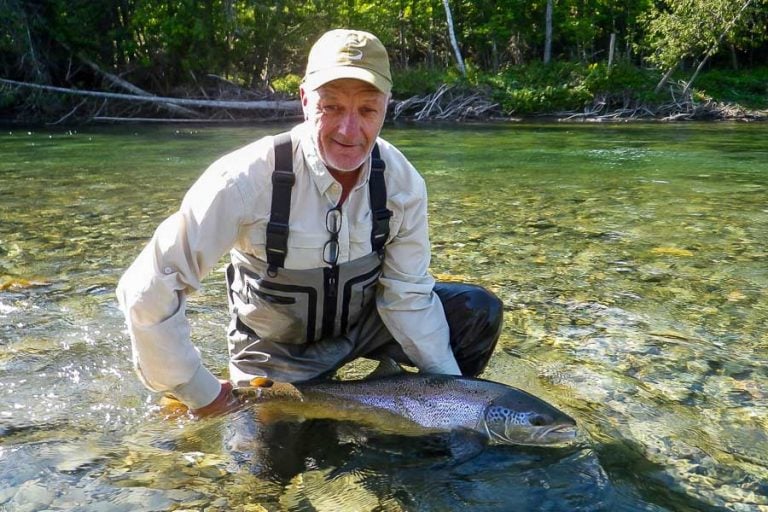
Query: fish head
[519, 418]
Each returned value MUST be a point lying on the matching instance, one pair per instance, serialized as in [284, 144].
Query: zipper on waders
[330, 291]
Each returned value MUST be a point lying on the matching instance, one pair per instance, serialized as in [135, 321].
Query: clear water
[631, 260]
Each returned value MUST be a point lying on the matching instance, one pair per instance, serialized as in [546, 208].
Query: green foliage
[539, 88]
[184, 38]
[680, 29]
[418, 81]
[424, 80]
[619, 78]
[7, 98]
[528, 100]
[747, 88]
[287, 85]
[511, 32]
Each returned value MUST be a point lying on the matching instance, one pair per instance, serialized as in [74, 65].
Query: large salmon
[416, 403]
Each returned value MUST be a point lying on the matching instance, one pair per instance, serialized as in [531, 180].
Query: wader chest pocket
[358, 293]
[278, 312]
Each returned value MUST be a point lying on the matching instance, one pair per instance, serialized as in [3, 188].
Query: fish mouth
[556, 434]
[553, 435]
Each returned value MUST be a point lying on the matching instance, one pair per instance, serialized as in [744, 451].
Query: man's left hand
[225, 402]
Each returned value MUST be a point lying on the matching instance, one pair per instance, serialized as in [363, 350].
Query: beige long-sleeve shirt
[228, 208]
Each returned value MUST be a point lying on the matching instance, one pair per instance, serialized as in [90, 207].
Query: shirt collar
[317, 169]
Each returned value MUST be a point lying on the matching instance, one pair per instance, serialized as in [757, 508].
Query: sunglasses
[333, 225]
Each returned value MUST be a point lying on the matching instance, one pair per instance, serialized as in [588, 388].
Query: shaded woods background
[250, 49]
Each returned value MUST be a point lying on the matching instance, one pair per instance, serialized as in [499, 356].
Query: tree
[454, 43]
[681, 29]
[548, 32]
[715, 46]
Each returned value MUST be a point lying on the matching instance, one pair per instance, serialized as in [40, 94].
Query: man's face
[347, 115]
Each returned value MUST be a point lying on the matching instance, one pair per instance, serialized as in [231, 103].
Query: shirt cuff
[446, 365]
[200, 390]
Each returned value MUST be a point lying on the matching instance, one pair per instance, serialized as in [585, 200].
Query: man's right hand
[225, 402]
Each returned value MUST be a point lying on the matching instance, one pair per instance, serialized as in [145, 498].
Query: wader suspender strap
[282, 183]
[377, 189]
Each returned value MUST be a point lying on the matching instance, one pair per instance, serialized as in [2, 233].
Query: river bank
[473, 105]
[568, 91]
[434, 108]
[560, 92]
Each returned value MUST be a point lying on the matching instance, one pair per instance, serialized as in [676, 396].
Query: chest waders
[272, 303]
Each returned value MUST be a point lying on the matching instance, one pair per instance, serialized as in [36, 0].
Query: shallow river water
[631, 260]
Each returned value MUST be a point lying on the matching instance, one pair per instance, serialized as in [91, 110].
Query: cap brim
[322, 77]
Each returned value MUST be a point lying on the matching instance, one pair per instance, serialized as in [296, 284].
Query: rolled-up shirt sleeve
[409, 308]
[152, 292]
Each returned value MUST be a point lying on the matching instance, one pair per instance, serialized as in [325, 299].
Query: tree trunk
[548, 32]
[611, 49]
[454, 42]
[401, 35]
[119, 82]
[664, 79]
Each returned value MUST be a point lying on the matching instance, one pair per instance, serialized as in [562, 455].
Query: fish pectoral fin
[465, 444]
[261, 382]
[171, 407]
[270, 412]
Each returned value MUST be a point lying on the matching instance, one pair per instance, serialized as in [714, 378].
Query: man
[328, 237]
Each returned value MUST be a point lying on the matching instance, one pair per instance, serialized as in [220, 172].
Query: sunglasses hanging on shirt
[333, 225]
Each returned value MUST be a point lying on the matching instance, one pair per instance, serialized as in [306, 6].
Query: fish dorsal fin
[387, 368]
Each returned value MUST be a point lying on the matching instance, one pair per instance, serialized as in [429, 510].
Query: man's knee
[474, 317]
[461, 301]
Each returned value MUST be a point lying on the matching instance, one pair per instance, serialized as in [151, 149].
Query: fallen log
[164, 120]
[167, 120]
[119, 82]
[288, 106]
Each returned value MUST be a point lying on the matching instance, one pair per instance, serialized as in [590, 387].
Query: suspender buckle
[380, 230]
[378, 194]
[382, 215]
[277, 232]
[280, 211]
[283, 178]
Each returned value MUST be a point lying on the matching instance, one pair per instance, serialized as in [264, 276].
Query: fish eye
[540, 420]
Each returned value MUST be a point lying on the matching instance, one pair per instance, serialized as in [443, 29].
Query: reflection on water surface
[630, 258]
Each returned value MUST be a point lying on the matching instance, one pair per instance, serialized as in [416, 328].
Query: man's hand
[224, 403]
